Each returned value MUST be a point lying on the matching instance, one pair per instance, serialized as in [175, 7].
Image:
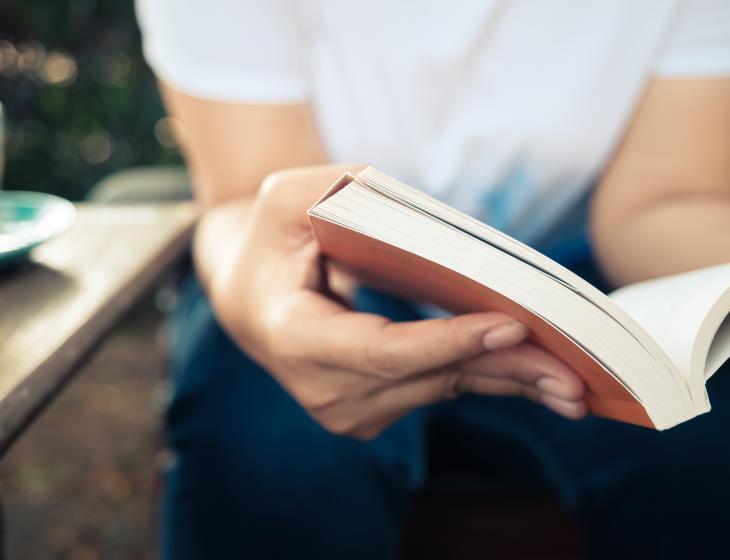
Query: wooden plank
[56, 308]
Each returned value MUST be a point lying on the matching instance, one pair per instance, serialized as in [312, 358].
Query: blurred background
[79, 104]
[79, 100]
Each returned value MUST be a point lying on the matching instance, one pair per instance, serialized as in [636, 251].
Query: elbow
[604, 247]
[610, 235]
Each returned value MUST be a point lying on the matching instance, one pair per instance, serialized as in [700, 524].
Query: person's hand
[356, 373]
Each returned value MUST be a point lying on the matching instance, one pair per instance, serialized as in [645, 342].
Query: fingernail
[557, 388]
[505, 335]
[569, 409]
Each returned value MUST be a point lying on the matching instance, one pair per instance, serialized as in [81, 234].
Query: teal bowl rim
[39, 200]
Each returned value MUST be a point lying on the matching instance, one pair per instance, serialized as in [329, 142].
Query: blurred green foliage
[79, 100]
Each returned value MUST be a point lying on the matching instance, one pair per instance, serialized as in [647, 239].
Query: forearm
[218, 238]
[670, 236]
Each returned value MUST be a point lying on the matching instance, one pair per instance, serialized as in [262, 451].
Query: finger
[496, 387]
[572, 410]
[372, 344]
[524, 370]
[387, 405]
[568, 408]
[401, 349]
[531, 365]
[373, 413]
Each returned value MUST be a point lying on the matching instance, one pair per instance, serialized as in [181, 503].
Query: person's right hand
[356, 373]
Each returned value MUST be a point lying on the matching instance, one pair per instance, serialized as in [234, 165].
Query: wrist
[220, 254]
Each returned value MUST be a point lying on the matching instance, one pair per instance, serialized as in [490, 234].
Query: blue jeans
[255, 477]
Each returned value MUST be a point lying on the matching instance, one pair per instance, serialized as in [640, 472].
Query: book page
[686, 314]
[719, 349]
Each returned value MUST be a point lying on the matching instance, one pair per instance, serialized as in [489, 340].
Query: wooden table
[55, 309]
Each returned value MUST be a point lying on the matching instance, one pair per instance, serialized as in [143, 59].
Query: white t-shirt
[507, 110]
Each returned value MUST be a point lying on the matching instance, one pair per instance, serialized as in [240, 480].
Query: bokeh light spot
[59, 69]
[96, 148]
[8, 57]
[168, 131]
[31, 55]
[113, 70]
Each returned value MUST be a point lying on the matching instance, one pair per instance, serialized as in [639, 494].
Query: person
[299, 424]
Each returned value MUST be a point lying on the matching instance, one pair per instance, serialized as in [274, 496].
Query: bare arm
[230, 149]
[663, 205]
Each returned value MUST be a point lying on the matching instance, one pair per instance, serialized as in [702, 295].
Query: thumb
[400, 349]
[505, 335]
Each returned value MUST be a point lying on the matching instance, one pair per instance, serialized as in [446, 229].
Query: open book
[644, 351]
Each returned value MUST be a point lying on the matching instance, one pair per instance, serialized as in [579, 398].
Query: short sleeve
[698, 44]
[227, 50]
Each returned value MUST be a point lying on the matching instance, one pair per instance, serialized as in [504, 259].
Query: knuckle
[365, 434]
[318, 398]
[467, 340]
[289, 356]
[384, 360]
[289, 352]
[455, 326]
[306, 396]
[530, 392]
[339, 425]
[454, 384]
[272, 184]
[274, 191]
